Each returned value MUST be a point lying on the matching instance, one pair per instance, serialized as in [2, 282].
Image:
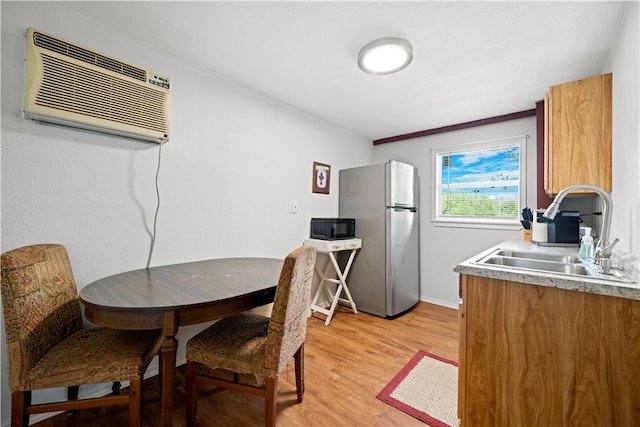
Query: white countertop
[630, 290]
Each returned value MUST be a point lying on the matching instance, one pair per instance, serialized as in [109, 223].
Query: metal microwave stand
[331, 247]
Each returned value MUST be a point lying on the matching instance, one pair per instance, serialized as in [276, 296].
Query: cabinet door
[578, 145]
[509, 358]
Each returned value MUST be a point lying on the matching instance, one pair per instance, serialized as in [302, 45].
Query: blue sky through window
[481, 166]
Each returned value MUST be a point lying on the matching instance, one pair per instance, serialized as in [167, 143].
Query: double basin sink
[548, 262]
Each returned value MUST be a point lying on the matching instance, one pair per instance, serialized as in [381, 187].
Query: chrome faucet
[603, 248]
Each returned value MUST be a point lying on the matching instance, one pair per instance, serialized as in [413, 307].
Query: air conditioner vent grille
[81, 54]
[73, 88]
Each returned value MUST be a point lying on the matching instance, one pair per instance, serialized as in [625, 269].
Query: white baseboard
[439, 302]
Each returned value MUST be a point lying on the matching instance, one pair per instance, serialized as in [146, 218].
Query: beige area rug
[427, 389]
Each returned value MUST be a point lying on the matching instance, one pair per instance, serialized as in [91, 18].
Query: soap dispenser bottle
[587, 251]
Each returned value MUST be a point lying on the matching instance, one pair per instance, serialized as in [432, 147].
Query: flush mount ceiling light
[385, 56]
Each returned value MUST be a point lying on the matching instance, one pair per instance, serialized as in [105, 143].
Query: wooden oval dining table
[167, 297]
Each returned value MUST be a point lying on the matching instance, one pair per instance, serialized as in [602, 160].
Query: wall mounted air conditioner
[69, 85]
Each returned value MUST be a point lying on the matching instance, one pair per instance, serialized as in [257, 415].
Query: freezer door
[403, 278]
[401, 184]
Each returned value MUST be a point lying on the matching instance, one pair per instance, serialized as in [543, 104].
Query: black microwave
[333, 228]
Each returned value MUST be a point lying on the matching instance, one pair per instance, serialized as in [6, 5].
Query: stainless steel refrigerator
[384, 279]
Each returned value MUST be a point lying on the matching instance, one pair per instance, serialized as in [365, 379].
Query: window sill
[509, 225]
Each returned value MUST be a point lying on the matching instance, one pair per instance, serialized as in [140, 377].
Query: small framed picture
[321, 178]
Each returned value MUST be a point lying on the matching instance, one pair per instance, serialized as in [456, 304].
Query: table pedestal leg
[168, 365]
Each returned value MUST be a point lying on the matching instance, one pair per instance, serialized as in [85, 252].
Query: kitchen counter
[629, 289]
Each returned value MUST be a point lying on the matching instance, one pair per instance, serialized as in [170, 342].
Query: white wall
[235, 163]
[623, 62]
[442, 248]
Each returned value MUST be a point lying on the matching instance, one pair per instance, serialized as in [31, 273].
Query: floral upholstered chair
[47, 346]
[253, 344]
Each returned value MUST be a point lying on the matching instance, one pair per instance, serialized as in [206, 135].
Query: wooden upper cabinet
[577, 144]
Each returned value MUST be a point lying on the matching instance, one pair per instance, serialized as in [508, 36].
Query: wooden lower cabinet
[541, 356]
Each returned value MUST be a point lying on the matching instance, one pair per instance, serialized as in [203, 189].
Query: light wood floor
[346, 364]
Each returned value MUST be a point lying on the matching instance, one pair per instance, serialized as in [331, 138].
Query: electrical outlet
[294, 207]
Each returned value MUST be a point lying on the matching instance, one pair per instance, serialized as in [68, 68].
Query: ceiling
[472, 60]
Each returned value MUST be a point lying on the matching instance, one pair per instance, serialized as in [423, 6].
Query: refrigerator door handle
[404, 208]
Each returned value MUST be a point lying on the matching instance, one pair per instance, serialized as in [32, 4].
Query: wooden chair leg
[20, 400]
[270, 400]
[191, 394]
[299, 369]
[135, 403]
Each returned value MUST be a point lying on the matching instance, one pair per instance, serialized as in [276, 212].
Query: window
[480, 185]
